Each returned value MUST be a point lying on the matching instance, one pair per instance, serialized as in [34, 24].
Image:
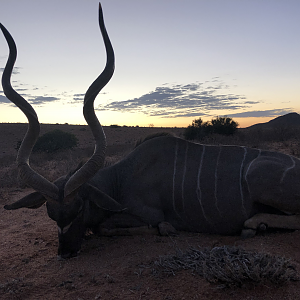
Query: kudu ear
[33, 200]
[102, 200]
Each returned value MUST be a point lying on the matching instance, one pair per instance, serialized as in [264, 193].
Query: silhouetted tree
[224, 125]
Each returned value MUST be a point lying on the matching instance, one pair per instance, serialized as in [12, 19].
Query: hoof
[262, 227]
[166, 229]
[248, 233]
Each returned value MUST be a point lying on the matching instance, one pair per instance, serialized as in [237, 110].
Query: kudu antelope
[165, 180]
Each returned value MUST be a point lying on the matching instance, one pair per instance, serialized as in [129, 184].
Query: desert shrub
[190, 133]
[220, 125]
[229, 266]
[55, 140]
[196, 131]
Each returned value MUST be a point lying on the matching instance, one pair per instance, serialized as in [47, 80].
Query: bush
[196, 131]
[220, 125]
[192, 133]
[55, 140]
[223, 125]
[229, 266]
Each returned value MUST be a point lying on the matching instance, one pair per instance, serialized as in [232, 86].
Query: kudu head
[68, 199]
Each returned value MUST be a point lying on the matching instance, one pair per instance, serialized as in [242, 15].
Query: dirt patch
[120, 267]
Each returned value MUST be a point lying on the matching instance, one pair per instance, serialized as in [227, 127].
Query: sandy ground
[116, 267]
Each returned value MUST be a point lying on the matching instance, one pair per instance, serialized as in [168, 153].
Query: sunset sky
[175, 60]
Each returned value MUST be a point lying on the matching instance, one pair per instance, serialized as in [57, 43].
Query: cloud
[15, 70]
[42, 99]
[3, 99]
[21, 90]
[262, 113]
[78, 97]
[180, 100]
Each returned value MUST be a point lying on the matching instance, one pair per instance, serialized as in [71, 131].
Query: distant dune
[285, 121]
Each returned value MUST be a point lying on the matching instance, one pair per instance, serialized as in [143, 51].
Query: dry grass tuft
[229, 266]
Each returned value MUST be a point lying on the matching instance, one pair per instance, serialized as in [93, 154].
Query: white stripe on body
[174, 175]
[246, 174]
[241, 178]
[198, 191]
[288, 169]
[216, 182]
[183, 175]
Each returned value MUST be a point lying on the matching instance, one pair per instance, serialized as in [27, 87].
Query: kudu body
[193, 187]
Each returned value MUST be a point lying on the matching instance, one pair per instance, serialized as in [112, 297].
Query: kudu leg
[163, 229]
[270, 220]
[143, 230]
